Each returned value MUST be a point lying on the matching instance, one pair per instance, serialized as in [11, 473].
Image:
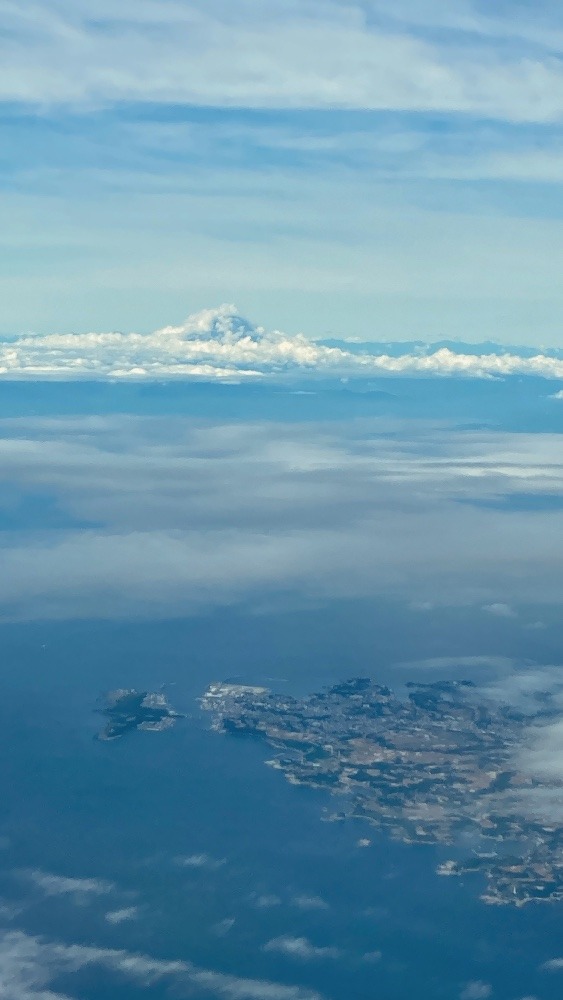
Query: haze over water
[267, 564]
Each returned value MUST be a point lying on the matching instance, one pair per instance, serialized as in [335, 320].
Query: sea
[219, 860]
[176, 864]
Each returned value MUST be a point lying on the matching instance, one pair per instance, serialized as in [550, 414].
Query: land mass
[127, 709]
[436, 767]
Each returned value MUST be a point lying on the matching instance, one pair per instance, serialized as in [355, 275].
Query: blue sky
[335, 167]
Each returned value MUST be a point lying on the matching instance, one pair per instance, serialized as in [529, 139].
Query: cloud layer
[219, 344]
[133, 516]
[308, 54]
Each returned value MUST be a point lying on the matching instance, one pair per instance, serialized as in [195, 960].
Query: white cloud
[9, 910]
[301, 948]
[199, 861]
[222, 927]
[304, 902]
[217, 344]
[123, 915]
[29, 964]
[286, 54]
[266, 901]
[476, 990]
[538, 757]
[553, 965]
[325, 511]
[542, 756]
[59, 885]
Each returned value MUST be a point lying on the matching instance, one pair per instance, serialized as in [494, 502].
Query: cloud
[476, 990]
[288, 55]
[538, 757]
[219, 344]
[372, 956]
[500, 610]
[59, 885]
[301, 948]
[479, 665]
[134, 519]
[542, 756]
[123, 915]
[9, 910]
[266, 901]
[552, 965]
[199, 861]
[523, 684]
[29, 964]
[304, 902]
[222, 927]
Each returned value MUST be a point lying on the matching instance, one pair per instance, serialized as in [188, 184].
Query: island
[127, 709]
[435, 766]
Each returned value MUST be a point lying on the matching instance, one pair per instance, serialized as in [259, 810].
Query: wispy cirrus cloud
[293, 55]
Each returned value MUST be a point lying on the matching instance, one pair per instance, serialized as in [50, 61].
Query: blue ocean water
[518, 404]
[194, 851]
[261, 865]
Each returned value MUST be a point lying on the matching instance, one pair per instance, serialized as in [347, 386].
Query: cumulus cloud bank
[220, 344]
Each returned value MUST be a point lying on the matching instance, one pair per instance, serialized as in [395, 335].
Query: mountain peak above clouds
[223, 324]
[222, 344]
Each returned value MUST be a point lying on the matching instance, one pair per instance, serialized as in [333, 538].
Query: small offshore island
[426, 769]
[127, 709]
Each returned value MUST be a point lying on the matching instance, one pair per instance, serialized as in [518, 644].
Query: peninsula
[425, 768]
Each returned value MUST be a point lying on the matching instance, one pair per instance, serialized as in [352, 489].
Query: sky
[342, 168]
